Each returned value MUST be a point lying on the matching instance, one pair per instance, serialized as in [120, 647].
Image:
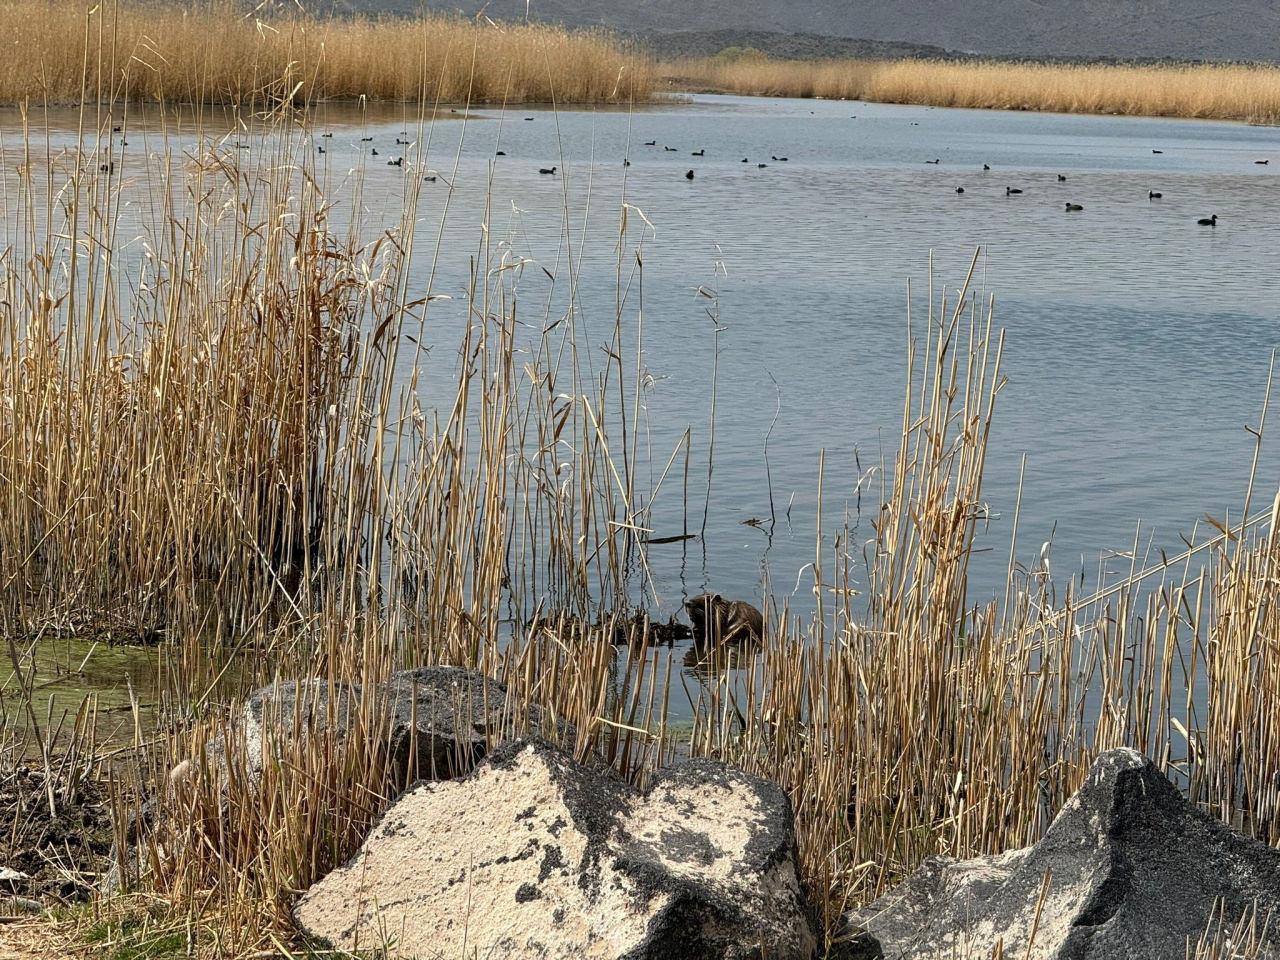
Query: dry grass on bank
[214, 53]
[1250, 93]
[218, 441]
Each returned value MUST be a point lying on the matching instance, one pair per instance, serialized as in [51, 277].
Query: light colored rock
[1133, 872]
[536, 856]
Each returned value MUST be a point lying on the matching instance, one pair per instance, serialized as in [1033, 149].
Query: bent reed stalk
[1202, 91]
[62, 53]
[223, 439]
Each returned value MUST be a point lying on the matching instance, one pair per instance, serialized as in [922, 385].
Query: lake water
[1138, 341]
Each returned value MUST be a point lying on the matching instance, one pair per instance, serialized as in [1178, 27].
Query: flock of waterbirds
[545, 171]
[1209, 221]
[108, 166]
[1009, 191]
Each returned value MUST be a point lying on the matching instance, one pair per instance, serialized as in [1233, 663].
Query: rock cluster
[534, 855]
[525, 853]
[1128, 871]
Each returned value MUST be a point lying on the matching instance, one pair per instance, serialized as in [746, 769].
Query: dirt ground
[56, 857]
[33, 940]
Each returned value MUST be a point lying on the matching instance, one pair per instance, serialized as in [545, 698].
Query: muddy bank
[57, 835]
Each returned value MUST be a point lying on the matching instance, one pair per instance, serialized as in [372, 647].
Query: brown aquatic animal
[717, 620]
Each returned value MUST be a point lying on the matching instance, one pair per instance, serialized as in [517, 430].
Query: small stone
[17, 906]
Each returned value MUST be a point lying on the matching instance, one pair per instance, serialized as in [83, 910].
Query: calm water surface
[1138, 342]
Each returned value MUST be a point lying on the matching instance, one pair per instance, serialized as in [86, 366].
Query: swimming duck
[549, 171]
[959, 189]
[1208, 221]
[689, 175]
[699, 153]
[1073, 207]
[1154, 195]
[1010, 191]
[1061, 178]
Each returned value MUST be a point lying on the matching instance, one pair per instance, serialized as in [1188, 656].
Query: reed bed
[222, 443]
[1203, 91]
[65, 53]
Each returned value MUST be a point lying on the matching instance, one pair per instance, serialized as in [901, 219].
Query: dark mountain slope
[1185, 29]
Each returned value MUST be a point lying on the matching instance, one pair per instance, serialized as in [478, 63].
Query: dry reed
[59, 53]
[232, 454]
[1226, 92]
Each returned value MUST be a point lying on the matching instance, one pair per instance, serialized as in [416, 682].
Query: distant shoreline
[1245, 93]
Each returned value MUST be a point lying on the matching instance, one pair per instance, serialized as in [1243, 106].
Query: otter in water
[717, 620]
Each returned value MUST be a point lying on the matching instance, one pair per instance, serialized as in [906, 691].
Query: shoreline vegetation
[1249, 93]
[223, 448]
[215, 53]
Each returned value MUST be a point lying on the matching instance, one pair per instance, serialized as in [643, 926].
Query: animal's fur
[717, 620]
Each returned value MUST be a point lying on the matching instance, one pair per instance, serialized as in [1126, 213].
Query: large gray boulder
[288, 711]
[437, 721]
[536, 856]
[1127, 871]
[442, 720]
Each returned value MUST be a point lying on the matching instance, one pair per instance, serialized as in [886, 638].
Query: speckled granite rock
[534, 855]
[1134, 873]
